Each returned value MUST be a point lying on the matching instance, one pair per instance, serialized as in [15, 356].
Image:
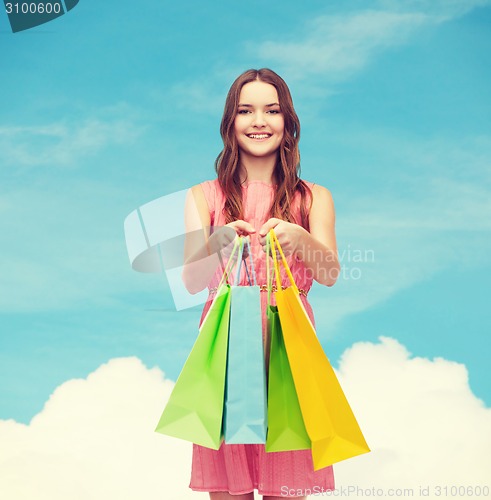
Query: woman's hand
[222, 239]
[289, 235]
[316, 248]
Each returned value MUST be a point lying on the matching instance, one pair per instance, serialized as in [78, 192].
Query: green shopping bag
[286, 429]
[195, 407]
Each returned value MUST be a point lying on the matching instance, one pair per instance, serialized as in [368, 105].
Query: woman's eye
[243, 111]
[274, 111]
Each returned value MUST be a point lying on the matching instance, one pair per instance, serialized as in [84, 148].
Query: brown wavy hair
[287, 169]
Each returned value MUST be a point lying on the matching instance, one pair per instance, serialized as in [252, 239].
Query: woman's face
[259, 124]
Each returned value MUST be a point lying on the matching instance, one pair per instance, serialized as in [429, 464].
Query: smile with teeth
[259, 137]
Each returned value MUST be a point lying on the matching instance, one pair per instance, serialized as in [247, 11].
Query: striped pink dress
[243, 468]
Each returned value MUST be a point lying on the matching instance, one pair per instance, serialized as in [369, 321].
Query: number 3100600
[33, 8]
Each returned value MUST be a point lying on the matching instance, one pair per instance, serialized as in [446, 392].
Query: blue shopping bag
[245, 410]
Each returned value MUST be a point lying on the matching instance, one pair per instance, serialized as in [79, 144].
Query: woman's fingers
[223, 238]
[268, 225]
[242, 227]
[285, 247]
[286, 233]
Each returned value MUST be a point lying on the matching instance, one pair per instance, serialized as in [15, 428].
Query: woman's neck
[257, 169]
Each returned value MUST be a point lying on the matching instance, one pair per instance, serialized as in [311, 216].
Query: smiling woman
[258, 188]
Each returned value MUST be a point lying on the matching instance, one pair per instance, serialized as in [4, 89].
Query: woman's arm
[317, 249]
[201, 251]
[198, 268]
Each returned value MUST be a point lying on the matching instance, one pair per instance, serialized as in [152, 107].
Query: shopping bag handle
[239, 260]
[245, 241]
[275, 244]
[269, 275]
[253, 271]
[230, 264]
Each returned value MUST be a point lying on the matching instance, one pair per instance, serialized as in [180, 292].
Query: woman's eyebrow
[267, 105]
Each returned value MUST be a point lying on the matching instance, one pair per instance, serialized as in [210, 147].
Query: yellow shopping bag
[329, 420]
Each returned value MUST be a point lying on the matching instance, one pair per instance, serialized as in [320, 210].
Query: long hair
[287, 168]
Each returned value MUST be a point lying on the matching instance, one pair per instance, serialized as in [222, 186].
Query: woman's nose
[259, 119]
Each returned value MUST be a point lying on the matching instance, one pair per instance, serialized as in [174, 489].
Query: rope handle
[239, 260]
[229, 265]
[275, 245]
[269, 275]
[253, 271]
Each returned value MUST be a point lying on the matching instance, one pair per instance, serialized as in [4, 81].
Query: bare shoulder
[197, 190]
[320, 191]
[198, 195]
[322, 199]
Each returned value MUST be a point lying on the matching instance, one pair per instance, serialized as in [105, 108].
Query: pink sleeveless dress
[242, 468]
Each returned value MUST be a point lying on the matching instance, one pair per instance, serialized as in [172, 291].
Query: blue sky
[116, 104]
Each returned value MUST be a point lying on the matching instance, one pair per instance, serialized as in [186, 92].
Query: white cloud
[62, 143]
[333, 46]
[424, 424]
[94, 437]
[336, 46]
[440, 9]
